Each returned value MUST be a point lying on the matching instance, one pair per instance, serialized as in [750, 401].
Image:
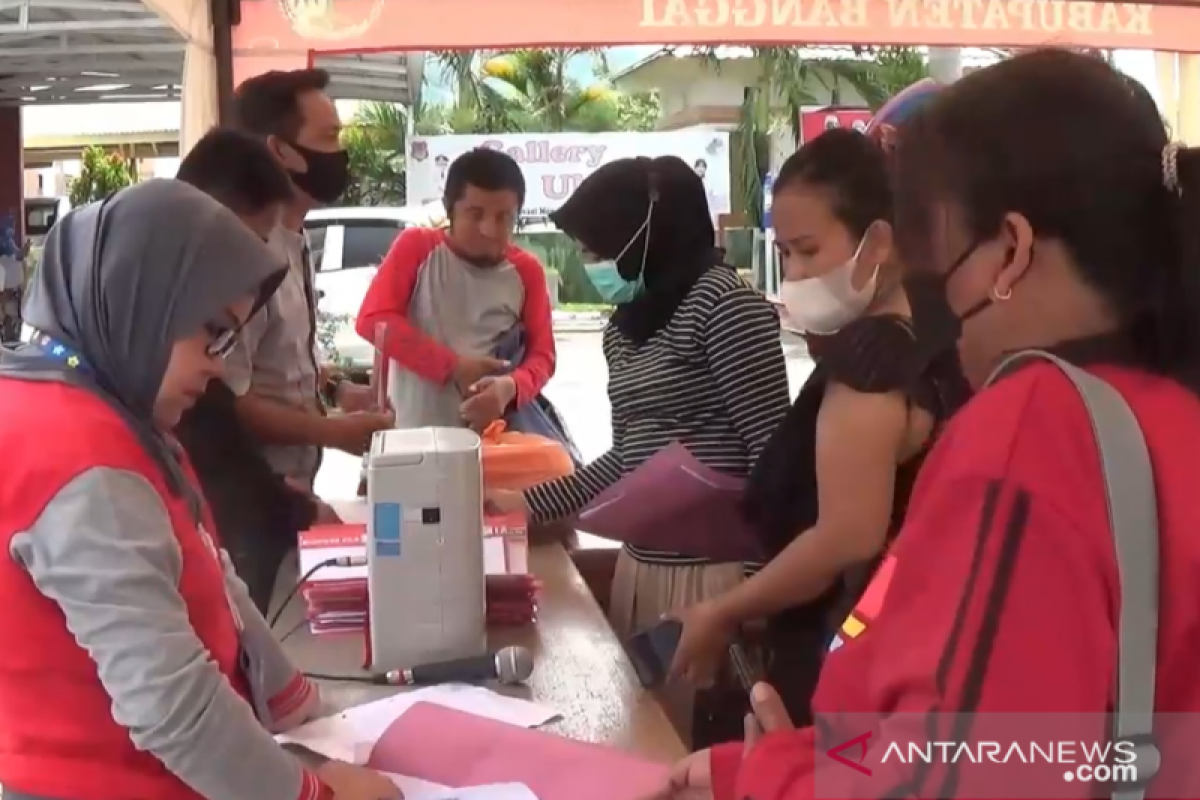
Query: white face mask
[827, 303]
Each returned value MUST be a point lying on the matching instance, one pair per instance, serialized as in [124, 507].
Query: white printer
[425, 566]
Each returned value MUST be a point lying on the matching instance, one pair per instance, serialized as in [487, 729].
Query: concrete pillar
[1188, 131]
[12, 167]
[1166, 72]
[945, 64]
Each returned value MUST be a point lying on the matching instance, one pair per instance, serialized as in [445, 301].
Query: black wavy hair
[238, 170]
[269, 104]
[1070, 143]
[486, 169]
[853, 170]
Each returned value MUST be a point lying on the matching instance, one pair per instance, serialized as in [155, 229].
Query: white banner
[555, 163]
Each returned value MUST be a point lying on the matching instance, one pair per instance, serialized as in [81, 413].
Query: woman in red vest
[993, 655]
[133, 664]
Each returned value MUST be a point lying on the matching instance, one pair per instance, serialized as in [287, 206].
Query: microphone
[509, 665]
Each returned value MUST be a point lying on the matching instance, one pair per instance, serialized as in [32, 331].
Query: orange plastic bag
[517, 461]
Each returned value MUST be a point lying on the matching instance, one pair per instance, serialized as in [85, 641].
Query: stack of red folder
[512, 599]
[336, 597]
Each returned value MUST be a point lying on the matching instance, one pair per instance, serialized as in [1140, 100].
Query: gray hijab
[123, 279]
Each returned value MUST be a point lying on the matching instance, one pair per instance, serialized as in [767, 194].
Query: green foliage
[637, 112]
[375, 143]
[897, 68]
[559, 254]
[328, 326]
[100, 175]
[531, 86]
[528, 90]
[517, 91]
[786, 82]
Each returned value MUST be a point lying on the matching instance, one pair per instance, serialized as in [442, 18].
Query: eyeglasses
[222, 338]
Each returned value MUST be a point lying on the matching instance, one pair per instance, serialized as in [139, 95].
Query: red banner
[814, 123]
[276, 34]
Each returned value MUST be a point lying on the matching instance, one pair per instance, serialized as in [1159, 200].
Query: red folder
[458, 749]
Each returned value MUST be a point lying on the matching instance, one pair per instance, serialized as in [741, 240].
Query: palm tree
[897, 68]
[376, 140]
[477, 108]
[494, 92]
[534, 85]
[787, 78]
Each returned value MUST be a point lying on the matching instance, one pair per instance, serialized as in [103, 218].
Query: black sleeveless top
[875, 354]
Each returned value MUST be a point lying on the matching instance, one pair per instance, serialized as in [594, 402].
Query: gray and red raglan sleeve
[104, 552]
[284, 696]
[386, 303]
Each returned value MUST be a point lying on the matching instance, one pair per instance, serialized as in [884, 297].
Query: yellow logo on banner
[330, 19]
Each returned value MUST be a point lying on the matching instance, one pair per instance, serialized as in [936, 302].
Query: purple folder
[675, 504]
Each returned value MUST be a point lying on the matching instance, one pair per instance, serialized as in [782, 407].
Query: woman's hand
[504, 501]
[691, 778]
[350, 782]
[703, 644]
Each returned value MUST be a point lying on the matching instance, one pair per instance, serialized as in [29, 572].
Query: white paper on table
[351, 734]
[494, 791]
[417, 789]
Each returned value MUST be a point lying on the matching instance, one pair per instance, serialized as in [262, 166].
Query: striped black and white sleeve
[745, 355]
[567, 496]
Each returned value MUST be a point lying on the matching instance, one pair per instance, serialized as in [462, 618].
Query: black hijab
[606, 214]
[123, 279]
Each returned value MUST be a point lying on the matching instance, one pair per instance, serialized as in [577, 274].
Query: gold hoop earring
[1007, 293]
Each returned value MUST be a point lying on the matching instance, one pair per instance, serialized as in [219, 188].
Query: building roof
[644, 74]
[50, 126]
[108, 119]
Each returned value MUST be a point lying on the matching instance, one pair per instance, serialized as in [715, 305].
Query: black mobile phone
[745, 670]
[652, 650]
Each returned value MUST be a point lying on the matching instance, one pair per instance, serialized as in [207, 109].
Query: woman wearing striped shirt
[693, 356]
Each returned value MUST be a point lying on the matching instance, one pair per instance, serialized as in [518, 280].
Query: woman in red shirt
[1044, 198]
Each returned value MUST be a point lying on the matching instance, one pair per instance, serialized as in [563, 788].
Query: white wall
[164, 167]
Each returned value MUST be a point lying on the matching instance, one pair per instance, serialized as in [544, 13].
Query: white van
[348, 245]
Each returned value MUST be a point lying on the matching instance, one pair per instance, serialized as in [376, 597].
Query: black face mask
[938, 329]
[935, 320]
[328, 174]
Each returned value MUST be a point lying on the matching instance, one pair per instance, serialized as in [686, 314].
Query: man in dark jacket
[257, 512]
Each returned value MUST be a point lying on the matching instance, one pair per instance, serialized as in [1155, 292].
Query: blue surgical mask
[607, 279]
[608, 282]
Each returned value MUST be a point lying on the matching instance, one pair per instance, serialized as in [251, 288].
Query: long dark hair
[1066, 141]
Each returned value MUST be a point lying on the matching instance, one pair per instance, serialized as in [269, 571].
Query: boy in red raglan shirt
[450, 298]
